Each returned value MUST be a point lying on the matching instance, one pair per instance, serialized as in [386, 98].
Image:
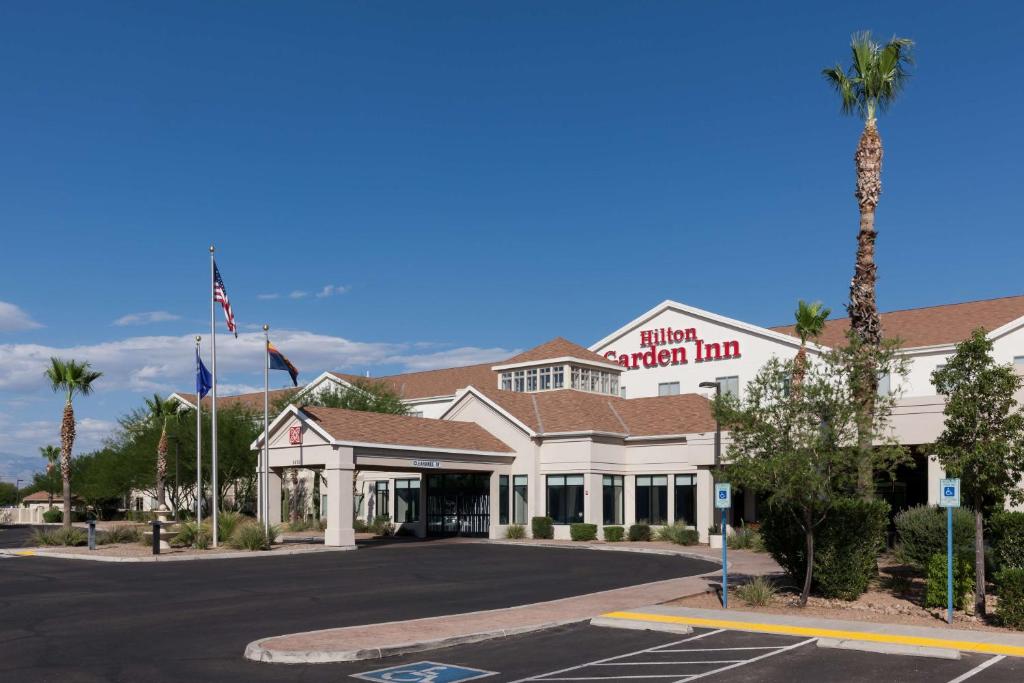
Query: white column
[629, 500]
[274, 496]
[593, 500]
[670, 501]
[338, 473]
[935, 473]
[705, 511]
[421, 526]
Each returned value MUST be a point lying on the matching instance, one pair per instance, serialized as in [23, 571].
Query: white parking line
[978, 669]
[750, 661]
[706, 661]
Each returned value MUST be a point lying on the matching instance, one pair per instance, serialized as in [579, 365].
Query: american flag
[220, 294]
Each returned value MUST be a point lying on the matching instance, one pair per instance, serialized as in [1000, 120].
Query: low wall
[11, 515]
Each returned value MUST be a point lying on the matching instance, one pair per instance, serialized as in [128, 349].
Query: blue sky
[461, 179]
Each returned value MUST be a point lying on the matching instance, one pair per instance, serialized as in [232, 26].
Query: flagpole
[213, 402]
[199, 441]
[265, 474]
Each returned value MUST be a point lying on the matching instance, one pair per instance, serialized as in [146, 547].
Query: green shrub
[1010, 589]
[192, 535]
[613, 534]
[53, 515]
[640, 532]
[846, 545]
[1007, 534]
[581, 531]
[921, 533]
[73, 536]
[359, 526]
[757, 592]
[963, 581]
[543, 527]
[382, 526]
[515, 532]
[121, 533]
[744, 538]
[678, 533]
[228, 522]
[253, 537]
[306, 524]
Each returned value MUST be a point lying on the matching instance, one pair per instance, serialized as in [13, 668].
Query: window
[407, 500]
[517, 384]
[381, 500]
[614, 389]
[545, 379]
[668, 389]
[558, 377]
[531, 379]
[884, 384]
[730, 385]
[622, 392]
[565, 498]
[686, 499]
[519, 499]
[506, 381]
[612, 490]
[575, 378]
[502, 499]
[416, 413]
[652, 499]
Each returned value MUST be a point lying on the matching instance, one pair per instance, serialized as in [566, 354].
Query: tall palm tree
[162, 411]
[867, 88]
[810, 321]
[72, 377]
[52, 455]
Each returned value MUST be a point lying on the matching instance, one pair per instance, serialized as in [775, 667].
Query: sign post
[949, 498]
[723, 501]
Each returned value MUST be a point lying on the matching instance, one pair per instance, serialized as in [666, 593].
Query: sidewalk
[381, 640]
[859, 635]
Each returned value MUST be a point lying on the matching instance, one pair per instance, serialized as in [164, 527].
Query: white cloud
[145, 318]
[268, 297]
[331, 290]
[90, 433]
[13, 319]
[298, 294]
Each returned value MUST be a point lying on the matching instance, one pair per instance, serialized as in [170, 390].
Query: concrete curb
[255, 651]
[613, 548]
[607, 622]
[43, 552]
[888, 648]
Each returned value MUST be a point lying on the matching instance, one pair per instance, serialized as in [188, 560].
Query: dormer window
[559, 364]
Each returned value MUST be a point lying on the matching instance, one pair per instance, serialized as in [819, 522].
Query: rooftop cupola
[559, 364]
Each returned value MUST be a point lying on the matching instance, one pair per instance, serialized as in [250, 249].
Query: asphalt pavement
[66, 620]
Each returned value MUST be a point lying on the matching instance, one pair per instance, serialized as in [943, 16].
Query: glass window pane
[503, 499]
[668, 389]
[730, 385]
[574, 479]
[519, 499]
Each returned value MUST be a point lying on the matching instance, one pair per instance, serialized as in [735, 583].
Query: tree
[868, 87]
[982, 441]
[72, 377]
[162, 411]
[810, 321]
[8, 493]
[794, 447]
[52, 455]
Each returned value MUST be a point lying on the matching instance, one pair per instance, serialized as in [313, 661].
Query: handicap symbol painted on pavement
[424, 672]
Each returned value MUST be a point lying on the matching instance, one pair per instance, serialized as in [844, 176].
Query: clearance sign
[667, 346]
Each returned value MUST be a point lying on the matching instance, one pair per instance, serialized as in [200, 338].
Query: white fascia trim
[584, 432]
[325, 377]
[420, 449]
[556, 361]
[291, 410]
[700, 313]
[659, 437]
[181, 399]
[1006, 329]
[461, 394]
[427, 399]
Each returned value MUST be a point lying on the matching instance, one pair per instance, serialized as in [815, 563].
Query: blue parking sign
[949, 493]
[723, 496]
[424, 672]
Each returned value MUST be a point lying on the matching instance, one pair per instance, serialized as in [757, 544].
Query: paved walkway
[380, 640]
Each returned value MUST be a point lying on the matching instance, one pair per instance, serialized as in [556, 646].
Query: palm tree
[52, 455]
[810, 321]
[72, 377]
[162, 411]
[868, 87]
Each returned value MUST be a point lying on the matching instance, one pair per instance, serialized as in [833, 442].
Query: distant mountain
[14, 467]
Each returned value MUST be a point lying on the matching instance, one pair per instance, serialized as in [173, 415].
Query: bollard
[156, 536]
[92, 534]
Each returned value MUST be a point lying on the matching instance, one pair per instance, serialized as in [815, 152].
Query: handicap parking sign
[949, 493]
[424, 672]
[723, 496]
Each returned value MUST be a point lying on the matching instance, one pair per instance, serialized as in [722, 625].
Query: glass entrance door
[458, 504]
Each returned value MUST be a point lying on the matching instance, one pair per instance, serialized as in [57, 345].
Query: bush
[53, 515]
[1007, 534]
[382, 526]
[758, 592]
[846, 545]
[543, 527]
[359, 526]
[228, 522]
[515, 532]
[613, 534]
[582, 531]
[921, 533]
[121, 533]
[963, 581]
[72, 536]
[678, 533]
[640, 532]
[193, 535]
[307, 524]
[744, 538]
[1010, 589]
[253, 537]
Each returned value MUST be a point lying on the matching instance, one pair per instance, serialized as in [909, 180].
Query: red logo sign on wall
[675, 354]
[295, 435]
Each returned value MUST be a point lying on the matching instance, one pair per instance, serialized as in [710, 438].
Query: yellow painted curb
[25, 553]
[963, 645]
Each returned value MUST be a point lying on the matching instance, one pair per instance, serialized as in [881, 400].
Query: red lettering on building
[653, 356]
[664, 356]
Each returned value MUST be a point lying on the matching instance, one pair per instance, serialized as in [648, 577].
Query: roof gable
[559, 347]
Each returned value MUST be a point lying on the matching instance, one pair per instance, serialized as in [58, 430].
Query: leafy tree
[52, 455]
[795, 448]
[72, 377]
[8, 493]
[162, 411]
[868, 87]
[982, 441]
[810, 321]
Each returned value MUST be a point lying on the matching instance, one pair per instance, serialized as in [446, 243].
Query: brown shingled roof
[568, 410]
[403, 430]
[947, 324]
[253, 400]
[558, 347]
[428, 383]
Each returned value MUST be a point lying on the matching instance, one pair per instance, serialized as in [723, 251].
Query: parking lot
[586, 653]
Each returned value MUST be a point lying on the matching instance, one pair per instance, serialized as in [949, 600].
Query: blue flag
[204, 380]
